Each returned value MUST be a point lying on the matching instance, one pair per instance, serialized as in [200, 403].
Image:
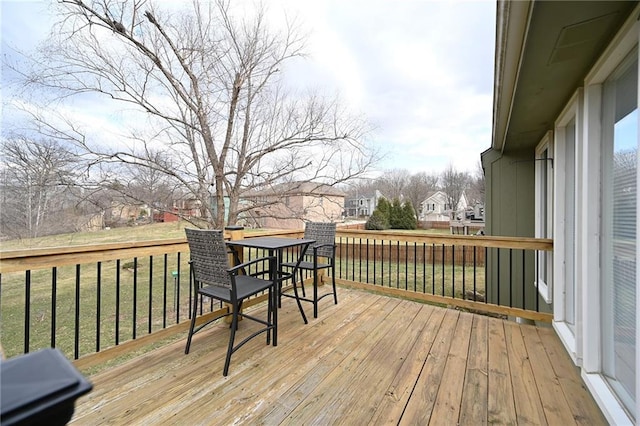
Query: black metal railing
[83, 300]
[427, 268]
[492, 270]
[86, 307]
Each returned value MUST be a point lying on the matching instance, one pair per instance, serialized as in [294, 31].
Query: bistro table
[275, 247]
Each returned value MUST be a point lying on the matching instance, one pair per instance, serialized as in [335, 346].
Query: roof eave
[512, 21]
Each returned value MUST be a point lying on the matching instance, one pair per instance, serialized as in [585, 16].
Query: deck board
[370, 359]
[420, 406]
[448, 404]
[580, 402]
[334, 393]
[552, 397]
[527, 399]
[501, 405]
[473, 409]
[398, 393]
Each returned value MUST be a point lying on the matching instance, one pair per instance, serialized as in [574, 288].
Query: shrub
[409, 220]
[377, 221]
[384, 207]
[395, 215]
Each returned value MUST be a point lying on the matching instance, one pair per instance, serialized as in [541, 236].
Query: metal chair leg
[315, 293]
[234, 327]
[269, 315]
[295, 291]
[193, 323]
[304, 293]
[333, 282]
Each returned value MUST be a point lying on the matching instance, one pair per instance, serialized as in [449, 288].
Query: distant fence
[433, 224]
[396, 251]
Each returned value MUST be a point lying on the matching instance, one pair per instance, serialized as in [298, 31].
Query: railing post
[235, 232]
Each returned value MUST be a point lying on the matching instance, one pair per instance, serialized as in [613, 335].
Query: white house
[362, 204]
[436, 208]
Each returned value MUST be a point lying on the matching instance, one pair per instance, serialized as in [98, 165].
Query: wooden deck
[370, 359]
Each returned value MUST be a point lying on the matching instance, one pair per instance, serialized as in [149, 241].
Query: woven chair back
[209, 256]
[323, 233]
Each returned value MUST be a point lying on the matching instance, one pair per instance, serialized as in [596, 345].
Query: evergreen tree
[384, 206]
[379, 219]
[377, 222]
[396, 215]
[408, 216]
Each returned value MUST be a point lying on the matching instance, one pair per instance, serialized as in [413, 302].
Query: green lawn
[422, 278]
[155, 231]
[100, 329]
[41, 310]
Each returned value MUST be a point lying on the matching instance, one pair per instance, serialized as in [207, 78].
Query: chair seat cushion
[246, 286]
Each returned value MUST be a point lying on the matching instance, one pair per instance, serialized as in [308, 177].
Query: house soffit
[563, 40]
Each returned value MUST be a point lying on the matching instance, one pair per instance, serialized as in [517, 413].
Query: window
[544, 209]
[566, 218]
[619, 230]
[570, 223]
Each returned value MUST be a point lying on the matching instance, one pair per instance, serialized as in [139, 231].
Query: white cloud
[421, 71]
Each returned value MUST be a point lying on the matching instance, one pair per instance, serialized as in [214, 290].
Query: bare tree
[392, 183]
[146, 185]
[209, 84]
[36, 175]
[454, 184]
[360, 186]
[418, 188]
[475, 192]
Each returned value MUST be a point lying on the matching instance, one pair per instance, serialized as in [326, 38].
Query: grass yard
[155, 231]
[156, 297]
[96, 317]
[422, 278]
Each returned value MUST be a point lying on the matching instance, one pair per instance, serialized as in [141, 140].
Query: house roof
[365, 195]
[544, 49]
[296, 188]
[436, 196]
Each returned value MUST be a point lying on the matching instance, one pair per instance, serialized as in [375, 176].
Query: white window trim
[627, 38]
[570, 336]
[544, 283]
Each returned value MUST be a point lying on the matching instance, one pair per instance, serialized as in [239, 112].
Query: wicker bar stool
[321, 256]
[213, 277]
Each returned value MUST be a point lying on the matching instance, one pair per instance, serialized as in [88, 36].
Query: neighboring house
[119, 212]
[290, 205]
[187, 207]
[436, 208]
[563, 164]
[160, 216]
[362, 204]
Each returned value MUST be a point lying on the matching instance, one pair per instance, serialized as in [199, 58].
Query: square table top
[271, 243]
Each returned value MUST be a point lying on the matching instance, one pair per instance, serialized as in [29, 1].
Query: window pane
[544, 207]
[570, 225]
[619, 221]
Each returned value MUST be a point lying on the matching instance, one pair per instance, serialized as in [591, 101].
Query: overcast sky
[420, 71]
